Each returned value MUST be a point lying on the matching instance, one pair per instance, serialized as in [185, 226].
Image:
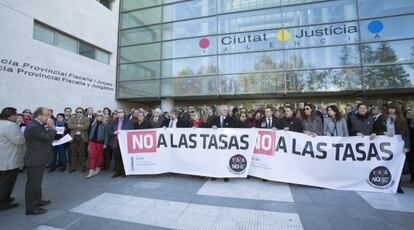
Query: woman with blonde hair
[97, 137]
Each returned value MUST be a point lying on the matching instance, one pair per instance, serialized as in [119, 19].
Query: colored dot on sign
[375, 26]
[204, 43]
[283, 35]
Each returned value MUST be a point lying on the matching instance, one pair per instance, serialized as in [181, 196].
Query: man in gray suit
[39, 138]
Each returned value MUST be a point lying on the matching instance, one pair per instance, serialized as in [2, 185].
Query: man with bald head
[39, 137]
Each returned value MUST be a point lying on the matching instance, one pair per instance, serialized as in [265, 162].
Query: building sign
[340, 33]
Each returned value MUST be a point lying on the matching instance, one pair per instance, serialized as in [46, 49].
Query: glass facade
[213, 48]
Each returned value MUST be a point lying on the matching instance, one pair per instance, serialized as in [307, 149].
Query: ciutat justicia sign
[295, 37]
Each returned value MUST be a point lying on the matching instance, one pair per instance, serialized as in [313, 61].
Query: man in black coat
[270, 121]
[175, 121]
[224, 120]
[120, 123]
[39, 138]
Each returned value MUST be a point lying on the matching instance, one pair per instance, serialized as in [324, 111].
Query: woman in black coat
[243, 121]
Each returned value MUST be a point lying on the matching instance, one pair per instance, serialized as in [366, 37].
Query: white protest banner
[344, 163]
[205, 152]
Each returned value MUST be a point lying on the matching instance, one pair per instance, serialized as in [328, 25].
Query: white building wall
[86, 20]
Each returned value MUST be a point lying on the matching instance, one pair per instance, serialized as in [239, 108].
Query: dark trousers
[59, 156]
[33, 192]
[7, 182]
[107, 157]
[119, 166]
[78, 153]
[410, 163]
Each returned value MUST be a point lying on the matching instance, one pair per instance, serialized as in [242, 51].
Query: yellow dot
[283, 35]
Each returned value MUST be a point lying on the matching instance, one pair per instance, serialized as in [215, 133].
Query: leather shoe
[11, 199]
[36, 211]
[8, 206]
[44, 202]
[116, 175]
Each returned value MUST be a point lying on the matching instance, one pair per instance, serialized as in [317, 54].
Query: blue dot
[375, 26]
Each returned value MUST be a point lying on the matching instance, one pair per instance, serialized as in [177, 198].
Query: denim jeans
[59, 156]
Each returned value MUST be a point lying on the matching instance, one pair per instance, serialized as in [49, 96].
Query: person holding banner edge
[396, 124]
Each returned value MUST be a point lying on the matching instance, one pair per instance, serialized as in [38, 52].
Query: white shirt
[173, 123]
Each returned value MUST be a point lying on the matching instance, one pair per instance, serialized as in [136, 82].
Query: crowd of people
[26, 138]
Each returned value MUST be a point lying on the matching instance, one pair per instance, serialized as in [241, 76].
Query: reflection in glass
[140, 35]
[86, 50]
[189, 9]
[139, 89]
[322, 57]
[251, 20]
[379, 8]
[140, 53]
[66, 42]
[141, 17]
[325, 12]
[134, 4]
[251, 62]
[388, 52]
[102, 56]
[189, 47]
[388, 77]
[191, 28]
[139, 71]
[387, 28]
[43, 34]
[241, 5]
[323, 80]
[190, 67]
[252, 83]
[193, 86]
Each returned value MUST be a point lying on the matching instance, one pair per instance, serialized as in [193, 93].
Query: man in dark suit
[157, 121]
[175, 121]
[39, 138]
[120, 123]
[224, 120]
[269, 121]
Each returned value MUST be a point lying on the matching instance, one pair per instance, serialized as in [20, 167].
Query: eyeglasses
[79, 112]
[99, 115]
[307, 108]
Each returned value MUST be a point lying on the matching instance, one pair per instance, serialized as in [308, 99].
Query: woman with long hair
[257, 118]
[312, 124]
[335, 124]
[396, 124]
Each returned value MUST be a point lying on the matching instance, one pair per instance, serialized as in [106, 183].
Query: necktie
[171, 123]
[269, 125]
[221, 122]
